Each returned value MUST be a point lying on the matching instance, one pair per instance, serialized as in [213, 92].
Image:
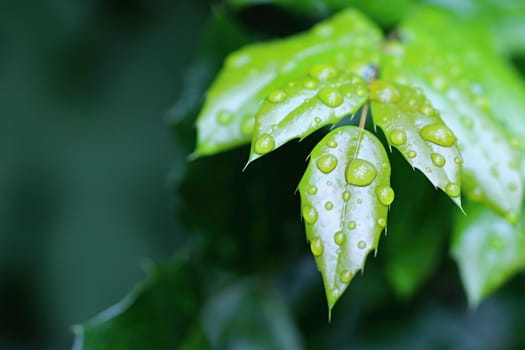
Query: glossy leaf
[488, 251]
[491, 164]
[303, 106]
[414, 127]
[345, 195]
[158, 314]
[348, 41]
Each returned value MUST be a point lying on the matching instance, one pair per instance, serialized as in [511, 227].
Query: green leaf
[305, 105]
[345, 195]
[348, 41]
[488, 251]
[249, 315]
[414, 127]
[490, 172]
[157, 314]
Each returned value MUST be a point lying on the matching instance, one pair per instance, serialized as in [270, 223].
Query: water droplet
[381, 222]
[317, 120]
[438, 159]
[440, 83]
[332, 143]
[385, 194]
[248, 125]
[312, 189]
[361, 244]
[339, 238]
[361, 92]
[316, 246]
[458, 160]
[428, 169]
[359, 201]
[346, 276]
[427, 110]
[310, 84]
[360, 172]
[277, 96]
[264, 144]
[326, 163]
[309, 214]
[476, 194]
[452, 189]
[224, 117]
[346, 196]
[412, 102]
[438, 134]
[383, 92]
[329, 205]
[351, 225]
[398, 137]
[411, 154]
[330, 97]
[323, 72]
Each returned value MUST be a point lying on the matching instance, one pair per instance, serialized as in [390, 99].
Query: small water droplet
[383, 92]
[329, 205]
[309, 214]
[346, 276]
[317, 120]
[224, 117]
[351, 225]
[412, 102]
[360, 172]
[385, 194]
[458, 160]
[248, 125]
[361, 244]
[438, 134]
[411, 154]
[359, 201]
[264, 144]
[339, 238]
[326, 163]
[398, 137]
[277, 96]
[317, 246]
[312, 189]
[310, 84]
[381, 222]
[346, 196]
[427, 110]
[332, 143]
[438, 159]
[452, 189]
[323, 72]
[440, 83]
[361, 92]
[330, 97]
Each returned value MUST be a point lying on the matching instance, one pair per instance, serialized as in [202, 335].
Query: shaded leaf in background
[414, 127]
[306, 105]
[491, 164]
[348, 41]
[345, 195]
[488, 250]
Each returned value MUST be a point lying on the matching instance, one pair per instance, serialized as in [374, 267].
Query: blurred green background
[94, 182]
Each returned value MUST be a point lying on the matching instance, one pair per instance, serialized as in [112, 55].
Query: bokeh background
[97, 98]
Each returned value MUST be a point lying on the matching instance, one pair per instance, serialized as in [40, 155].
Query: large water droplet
[438, 134]
[438, 159]
[224, 117]
[339, 238]
[452, 189]
[326, 163]
[309, 214]
[329, 205]
[398, 137]
[330, 97]
[323, 72]
[264, 144]
[310, 84]
[316, 246]
[346, 196]
[312, 189]
[346, 276]
[360, 172]
[385, 194]
[277, 96]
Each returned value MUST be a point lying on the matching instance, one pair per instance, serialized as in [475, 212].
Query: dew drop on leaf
[360, 172]
[381, 222]
[264, 144]
[347, 195]
[248, 125]
[452, 189]
[310, 84]
[385, 194]
[438, 134]
[317, 246]
[326, 163]
[329, 205]
[323, 72]
[332, 143]
[339, 238]
[330, 97]
[398, 137]
[351, 225]
[309, 214]
[361, 244]
[346, 276]
[312, 189]
[411, 154]
[277, 96]
[438, 159]
[224, 117]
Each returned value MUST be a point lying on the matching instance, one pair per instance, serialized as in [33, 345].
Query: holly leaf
[347, 41]
[488, 251]
[345, 195]
[305, 105]
[414, 127]
[490, 172]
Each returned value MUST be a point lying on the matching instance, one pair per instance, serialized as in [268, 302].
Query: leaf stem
[364, 113]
